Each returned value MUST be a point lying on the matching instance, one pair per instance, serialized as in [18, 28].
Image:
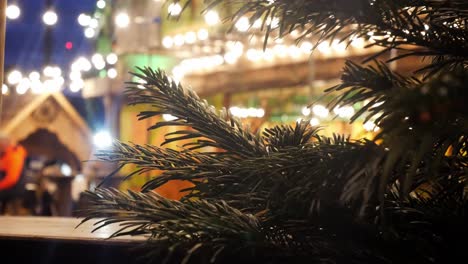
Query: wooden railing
[57, 240]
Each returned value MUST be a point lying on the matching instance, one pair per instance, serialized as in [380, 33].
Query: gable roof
[23, 116]
[27, 108]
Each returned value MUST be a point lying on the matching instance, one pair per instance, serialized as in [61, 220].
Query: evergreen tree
[288, 193]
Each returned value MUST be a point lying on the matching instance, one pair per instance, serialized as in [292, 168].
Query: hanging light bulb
[202, 34]
[4, 89]
[179, 40]
[76, 85]
[268, 54]
[371, 126]
[50, 18]
[75, 75]
[253, 55]
[294, 52]
[23, 86]
[37, 86]
[97, 59]
[324, 48]
[320, 111]
[89, 32]
[112, 58]
[101, 4]
[344, 112]
[174, 9]
[84, 20]
[306, 47]
[260, 113]
[314, 121]
[190, 37]
[272, 22]
[231, 57]
[81, 64]
[59, 80]
[102, 139]
[14, 77]
[358, 43]
[212, 18]
[257, 24]
[167, 42]
[50, 86]
[93, 23]
[52, 71]
[99, 64]
[34, 75]
[280, 50]
[112, 73]
[122, 20]
[339, 47]
[13, 11]
[56, 72]
[243, 24]
[48, 71]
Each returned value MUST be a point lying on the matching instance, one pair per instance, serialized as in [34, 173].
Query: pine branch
[294, 166]
[375, 84]
[166, 97]
[291, 192]
[291, 156]
[179, 230]
[150, 157]
[158, 216]
[192, 225]
[285, 136]
[294, 190]
[419, 121]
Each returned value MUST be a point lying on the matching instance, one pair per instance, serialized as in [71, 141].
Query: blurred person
[12, 163]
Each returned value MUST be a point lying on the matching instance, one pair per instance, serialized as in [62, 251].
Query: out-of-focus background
[67, 61]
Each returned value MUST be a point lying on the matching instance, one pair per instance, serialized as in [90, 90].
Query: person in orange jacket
[12, 161]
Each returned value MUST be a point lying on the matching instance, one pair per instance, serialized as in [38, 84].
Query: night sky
[25, 45]
[25, 35]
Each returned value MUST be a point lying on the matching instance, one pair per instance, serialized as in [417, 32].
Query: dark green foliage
[289, 194]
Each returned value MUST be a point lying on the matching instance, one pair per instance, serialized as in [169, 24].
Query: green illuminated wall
[153, 61]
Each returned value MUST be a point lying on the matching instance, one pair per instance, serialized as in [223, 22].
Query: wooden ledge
[59, 229]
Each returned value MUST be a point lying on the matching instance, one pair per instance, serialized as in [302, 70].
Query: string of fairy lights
[228, 54]
[208, 53]
[216, 54]
[50, 79]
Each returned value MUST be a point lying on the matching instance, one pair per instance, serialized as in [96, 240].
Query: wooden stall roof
[16, 109]
[24, 114]
[279, 76]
